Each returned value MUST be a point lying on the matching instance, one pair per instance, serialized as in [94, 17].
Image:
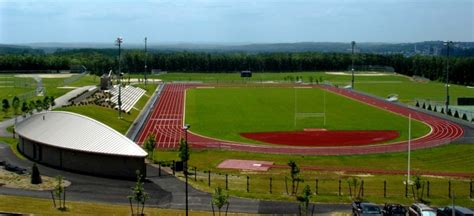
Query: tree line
[25, 107]
[99, 61]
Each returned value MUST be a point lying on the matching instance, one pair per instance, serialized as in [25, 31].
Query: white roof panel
[77, 132]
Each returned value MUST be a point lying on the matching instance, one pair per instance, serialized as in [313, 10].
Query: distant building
[246, 73]
[78, 69]
[106, 81]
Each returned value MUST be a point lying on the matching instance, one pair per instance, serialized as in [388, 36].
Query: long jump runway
[166, 122]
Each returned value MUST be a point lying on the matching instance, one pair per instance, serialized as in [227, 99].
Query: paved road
[64, 99]
[165, 191]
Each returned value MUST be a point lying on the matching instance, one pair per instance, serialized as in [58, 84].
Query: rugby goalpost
[300, 115]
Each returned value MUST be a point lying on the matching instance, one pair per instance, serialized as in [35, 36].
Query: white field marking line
[372, 104]
[170, 111]
[165, 103]
[184, 108]
[205, 87]
[302, 87]
[176, 128]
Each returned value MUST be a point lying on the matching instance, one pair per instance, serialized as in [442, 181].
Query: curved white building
[74, 142]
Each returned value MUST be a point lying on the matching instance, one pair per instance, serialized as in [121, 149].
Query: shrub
[35, 175]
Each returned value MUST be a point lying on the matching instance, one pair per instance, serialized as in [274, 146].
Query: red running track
[166, 122]
[324, 137]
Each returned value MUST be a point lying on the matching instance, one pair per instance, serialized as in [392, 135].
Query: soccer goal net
[300, 115]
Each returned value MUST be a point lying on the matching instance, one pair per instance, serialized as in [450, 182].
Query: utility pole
[118, 42]
[186, 128]
[409, 148]
[353, 43]
[146, 58]
[447, 43]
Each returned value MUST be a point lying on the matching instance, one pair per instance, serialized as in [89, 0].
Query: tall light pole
[447, 43]
[186, 128]
[118, 42]
[409, 149]
[146, 58]
[353, 43]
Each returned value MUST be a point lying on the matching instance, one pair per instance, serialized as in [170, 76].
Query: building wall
[84, 162]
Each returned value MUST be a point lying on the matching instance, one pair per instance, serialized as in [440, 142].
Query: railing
[139, 122]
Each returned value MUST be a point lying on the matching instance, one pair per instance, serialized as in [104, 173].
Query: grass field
[110, 116]
[13, 145]
[409, 90]
[224, 113]
[259, 77]
[449, 158]
[38, 206]
[50, 84]
[382, 86]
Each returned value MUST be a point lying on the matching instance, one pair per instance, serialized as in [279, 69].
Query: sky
[235, 21]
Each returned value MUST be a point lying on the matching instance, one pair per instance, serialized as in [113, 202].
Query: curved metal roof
[77, 132]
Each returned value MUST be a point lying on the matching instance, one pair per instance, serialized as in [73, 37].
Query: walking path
[165, 192]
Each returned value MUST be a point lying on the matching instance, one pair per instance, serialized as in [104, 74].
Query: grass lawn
[36, 206]
[110, 116]
[258, 77]
[51, 85]
[238, 110]
[449, 158]
[408, 91]
[13, 143]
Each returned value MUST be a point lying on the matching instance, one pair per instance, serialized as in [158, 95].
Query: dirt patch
[361, 74]
[324, 138]
[12, 180]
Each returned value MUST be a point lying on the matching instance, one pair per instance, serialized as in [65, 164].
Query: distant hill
[16, 49]
[408, 49]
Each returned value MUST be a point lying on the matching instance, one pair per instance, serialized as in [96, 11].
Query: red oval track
[166, 121]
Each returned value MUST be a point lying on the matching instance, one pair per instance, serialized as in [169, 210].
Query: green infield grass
[224, 113]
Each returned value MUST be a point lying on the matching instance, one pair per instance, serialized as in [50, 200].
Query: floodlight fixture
[353, 43]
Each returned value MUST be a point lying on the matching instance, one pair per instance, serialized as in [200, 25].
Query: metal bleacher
[130, 96]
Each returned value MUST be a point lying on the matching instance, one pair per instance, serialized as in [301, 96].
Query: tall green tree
[219, 199]
[183, 151]
[52, 102]
[149, 145]
[294, 176]
[31, 106]
[35, 175]
[5, 106]
[39, 105]
[139, 195]
[16, 104]
[59, 193]
[24, 107]
[304, 200]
